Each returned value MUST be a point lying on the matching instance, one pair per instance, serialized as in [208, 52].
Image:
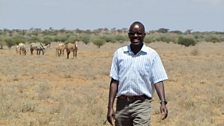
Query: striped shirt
[136, 74]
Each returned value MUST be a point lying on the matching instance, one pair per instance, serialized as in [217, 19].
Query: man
[136, 71]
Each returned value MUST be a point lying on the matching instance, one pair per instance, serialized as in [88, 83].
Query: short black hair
[138, 23]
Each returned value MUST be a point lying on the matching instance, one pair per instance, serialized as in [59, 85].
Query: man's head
[136, 33]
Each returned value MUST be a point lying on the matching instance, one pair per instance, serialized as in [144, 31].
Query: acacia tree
[32, 39]
[98, 41]
[163, 30]
[85, 38]
[9, 42]
[186, 41]
[18, 39]
[48, 39]
[72, 39]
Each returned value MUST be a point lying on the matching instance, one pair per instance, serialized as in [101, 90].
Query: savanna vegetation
[103, 35]
[46, 90]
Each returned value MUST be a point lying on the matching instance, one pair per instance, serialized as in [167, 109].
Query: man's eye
[133, 33]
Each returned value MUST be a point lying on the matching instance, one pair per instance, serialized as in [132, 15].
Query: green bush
[163, 30]
[85, 38]
[32, 39]
[72, 39]
[121, 38]
[18, 39]
[9, 42]
[48, 39]
[60, 38]
[149, 39]
[98, 41]
[165, 38]
[109, 38]
[213, 39]
[186, 41]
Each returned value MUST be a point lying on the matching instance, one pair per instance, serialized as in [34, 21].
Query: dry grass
[53, 91]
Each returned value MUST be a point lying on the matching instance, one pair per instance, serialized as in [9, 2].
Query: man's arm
[161, 93]
[112, 95]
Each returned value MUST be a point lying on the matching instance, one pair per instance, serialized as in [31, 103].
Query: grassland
[55, 91]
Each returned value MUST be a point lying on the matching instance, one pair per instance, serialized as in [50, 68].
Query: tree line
[99, 37]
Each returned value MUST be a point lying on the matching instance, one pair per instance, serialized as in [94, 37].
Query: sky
[197, 15]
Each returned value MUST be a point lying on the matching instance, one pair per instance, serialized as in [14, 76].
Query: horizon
[169, 30]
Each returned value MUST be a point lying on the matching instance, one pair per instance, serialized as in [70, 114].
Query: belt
[134, 98]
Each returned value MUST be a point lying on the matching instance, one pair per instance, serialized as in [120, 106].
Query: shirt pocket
[124, 64]
[145, 69]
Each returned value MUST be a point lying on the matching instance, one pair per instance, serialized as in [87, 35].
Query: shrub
[85, 38]
[32, 38]
[149, 39]
[165, 38]
[72, 39]
[47, 39]
[9, 42]
[152, 37]
[176, 31]
[18, 39]
[163, 30]
[121, 38]
[61, 38]
[98, 41]
[186, 41]
[212, 39]
[109, 38]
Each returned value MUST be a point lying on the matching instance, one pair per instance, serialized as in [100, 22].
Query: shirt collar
[128, 49]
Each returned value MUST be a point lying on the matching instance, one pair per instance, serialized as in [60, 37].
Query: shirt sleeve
[158, 70]
[114, 67]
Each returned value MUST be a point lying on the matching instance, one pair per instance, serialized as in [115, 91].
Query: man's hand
[163, 111]
[110, 116]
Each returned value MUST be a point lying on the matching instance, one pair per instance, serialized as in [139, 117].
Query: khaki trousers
[133, 113]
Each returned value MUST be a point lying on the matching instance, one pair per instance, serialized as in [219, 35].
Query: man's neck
[136, 48]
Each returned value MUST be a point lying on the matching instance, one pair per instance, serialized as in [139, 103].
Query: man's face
[136, 34]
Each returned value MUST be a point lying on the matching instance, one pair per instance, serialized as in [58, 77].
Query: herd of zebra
[40, 49]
